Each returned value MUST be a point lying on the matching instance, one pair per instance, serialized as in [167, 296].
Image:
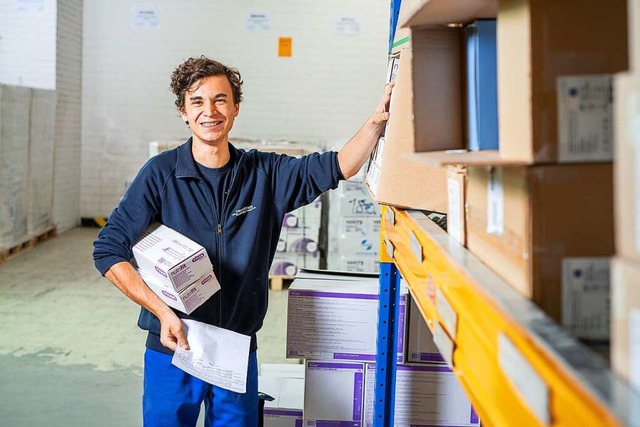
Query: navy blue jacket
[241, 244]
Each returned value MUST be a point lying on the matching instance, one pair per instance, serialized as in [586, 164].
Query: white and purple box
[285, 383]
[333, 394]
[288, 263]
[302, 240]
[190, 298]
[426, 395]
[170, 257]
[333, 316]
[420, 346]
[307, 216]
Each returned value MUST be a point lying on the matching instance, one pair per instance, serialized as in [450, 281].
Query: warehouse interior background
[99, 73]
[501, 208]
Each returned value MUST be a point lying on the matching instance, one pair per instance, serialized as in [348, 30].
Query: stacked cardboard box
[299, 242]
[175, 267]
[625, 275]
[354, 228]
[330, 324]
[14, 164]
[285, 383]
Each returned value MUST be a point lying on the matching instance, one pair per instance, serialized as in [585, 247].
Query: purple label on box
[168, 295]
[283, 412]
[429, 357]
[160, 271]
[438, 425]
[357, 395]
[335, 365]
[294, 292]
[401, 319]
[423, 368]
[330, 423]
[298, 423]
[297, 293]
[474, 416]
[353, 356]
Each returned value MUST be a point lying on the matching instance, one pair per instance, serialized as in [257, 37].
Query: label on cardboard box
[373, 175]
[416, 247]
[524, 378]
[586, 298]
[495, 202]
[447, 313]
[444, 344]
[634, 348]
[454, 221]
[585, 118]
[333, 394]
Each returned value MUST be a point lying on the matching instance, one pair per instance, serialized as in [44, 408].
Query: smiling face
[210, 110]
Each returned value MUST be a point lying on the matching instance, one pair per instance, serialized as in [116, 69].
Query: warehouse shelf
[445, 12]
[517, 366]
[463, 157]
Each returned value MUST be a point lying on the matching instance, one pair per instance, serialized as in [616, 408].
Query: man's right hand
[172, 331]
[127, 279]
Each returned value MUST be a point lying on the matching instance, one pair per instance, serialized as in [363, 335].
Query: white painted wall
[324, 92]
[28, 43]
[66, 170]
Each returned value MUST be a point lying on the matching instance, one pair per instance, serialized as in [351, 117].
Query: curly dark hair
[194, 69]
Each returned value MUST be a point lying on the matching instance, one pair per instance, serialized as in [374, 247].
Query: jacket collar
[186, 164]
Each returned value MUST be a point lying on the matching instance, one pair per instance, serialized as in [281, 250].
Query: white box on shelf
[288, 263]
[420, 346]
[170, 257]
[285, 383]
[333, 393]
[303, 240]
[333, 317]
[426, 395]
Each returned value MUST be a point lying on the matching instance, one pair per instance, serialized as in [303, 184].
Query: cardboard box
[551, 39]
[305, 217]
[625, 320]
[420, 345]
[285, 383]
[627, 165]
[391, 178]
[171, 258]
[333, 317]
[288, 263]
[190, 298]
[456, 187]
[302, 240]
[426, 395]
[482, 85]
[526, 223]
[333, 393]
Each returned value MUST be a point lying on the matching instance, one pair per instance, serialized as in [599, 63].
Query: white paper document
[217, 356]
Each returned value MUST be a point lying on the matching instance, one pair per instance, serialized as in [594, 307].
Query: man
[232, 202]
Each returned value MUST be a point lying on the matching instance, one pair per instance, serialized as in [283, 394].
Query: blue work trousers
[173, 398]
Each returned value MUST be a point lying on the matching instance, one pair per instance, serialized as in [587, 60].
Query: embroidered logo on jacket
[244, 210]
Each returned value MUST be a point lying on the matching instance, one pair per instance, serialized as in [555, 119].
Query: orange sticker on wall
[284, 46]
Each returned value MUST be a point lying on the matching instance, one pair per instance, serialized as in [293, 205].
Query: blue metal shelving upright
[387, 344]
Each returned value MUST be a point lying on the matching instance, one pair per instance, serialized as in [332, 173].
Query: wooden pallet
[276, 283]
[26, 245]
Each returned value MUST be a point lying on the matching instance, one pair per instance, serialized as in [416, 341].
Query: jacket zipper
[219, 240]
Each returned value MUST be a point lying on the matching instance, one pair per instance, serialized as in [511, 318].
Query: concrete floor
[70, 350]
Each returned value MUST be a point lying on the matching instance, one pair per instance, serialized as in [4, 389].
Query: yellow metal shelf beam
[517, 366]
